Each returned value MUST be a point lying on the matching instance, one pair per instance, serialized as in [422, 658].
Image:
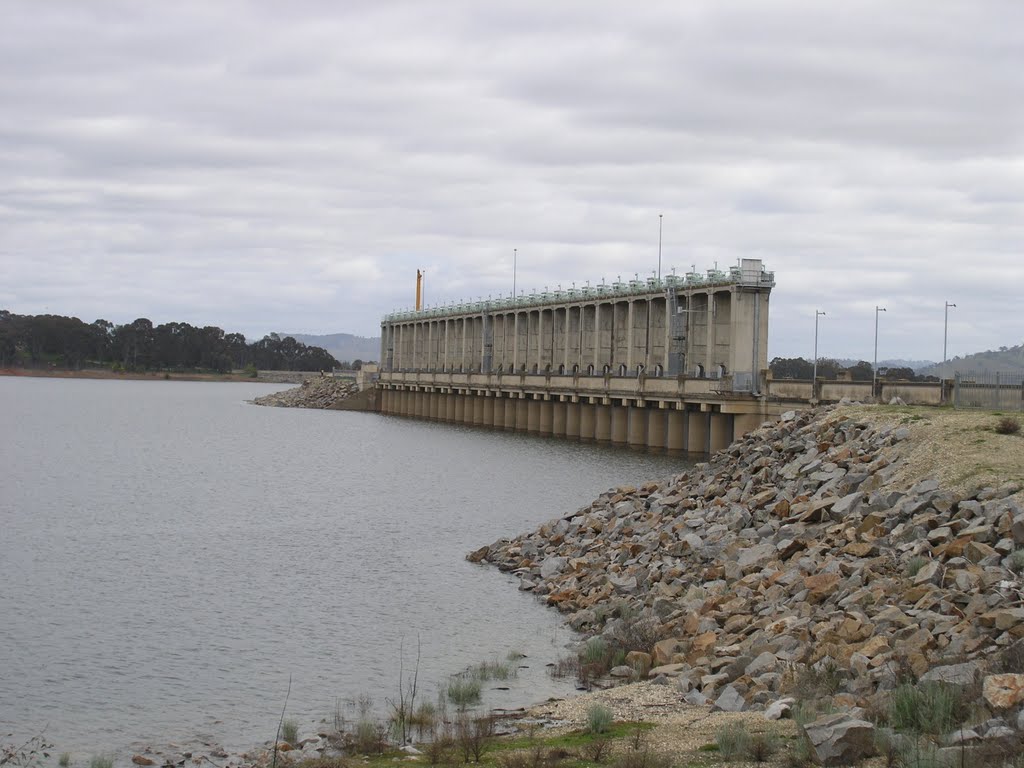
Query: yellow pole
[419, 290]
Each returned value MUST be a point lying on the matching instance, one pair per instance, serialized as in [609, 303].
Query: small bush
[290, 731]
[599, 718]
[565, 667]
[644, 758]
[597, 750]
[915, 564]
[761, 747]
[1015, 561]
[364, 737]
[464, 691]
[1007, 426]
[473, 735]
[733, 741]
[101, 761]
[64, 760]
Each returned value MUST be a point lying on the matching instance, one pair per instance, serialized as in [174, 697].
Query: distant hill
[344, 346]
[1003, 360]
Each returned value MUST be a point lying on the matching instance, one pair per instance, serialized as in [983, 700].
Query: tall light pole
[874, 367]
[814, 376]
[515, 255]
[659, 245]
[945, 336]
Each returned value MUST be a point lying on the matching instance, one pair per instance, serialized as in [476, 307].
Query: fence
[992, 391]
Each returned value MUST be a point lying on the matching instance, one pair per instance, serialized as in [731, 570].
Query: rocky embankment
[804, 546]
[319, 392]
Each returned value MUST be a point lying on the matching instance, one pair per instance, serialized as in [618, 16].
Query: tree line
[829, 369]
[33, 341]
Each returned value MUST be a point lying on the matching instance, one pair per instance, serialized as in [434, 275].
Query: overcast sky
[271, 166]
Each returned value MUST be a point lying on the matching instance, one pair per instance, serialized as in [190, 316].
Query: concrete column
[385, 396]
[656, 422]
[588, 421]
[676, 440]
[488, 411]
[498, 413]
[572, 421]
[743, 423]
[433, 401]
[533, 416]
[603, 423]
[547, 417]
[558, 418]
[721, 430]
[478, 409]
[620, 424]
[449, 407]
[460, 408]
[509, 405]
[697, 432]
[637, 427]
[521, 415]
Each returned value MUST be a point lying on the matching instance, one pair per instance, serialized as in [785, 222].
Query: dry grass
[959, 448]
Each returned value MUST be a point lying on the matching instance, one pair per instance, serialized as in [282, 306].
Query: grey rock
[840, 739]
[696, 698]
[779, 709]
[730, 700]
[552, 566]
[953, 674]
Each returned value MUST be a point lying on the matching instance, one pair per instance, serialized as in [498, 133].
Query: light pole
[874, 367]
[659, 246]
[814, 376]
[515, 254]
[945, 336]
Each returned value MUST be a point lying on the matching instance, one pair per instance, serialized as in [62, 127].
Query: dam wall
[674, 364]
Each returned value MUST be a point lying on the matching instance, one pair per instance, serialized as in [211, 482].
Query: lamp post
[945, 336]
[659, 246]
[814, 376]
[874, 367]
[515, 254]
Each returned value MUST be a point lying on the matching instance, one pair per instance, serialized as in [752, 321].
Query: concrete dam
[677, 364]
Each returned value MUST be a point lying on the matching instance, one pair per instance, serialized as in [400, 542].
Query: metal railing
[989, 390]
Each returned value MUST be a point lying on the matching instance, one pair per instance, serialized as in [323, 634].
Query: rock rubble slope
[322, 392]
[792, 549]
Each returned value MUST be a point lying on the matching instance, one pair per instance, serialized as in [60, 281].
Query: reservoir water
[171, 556]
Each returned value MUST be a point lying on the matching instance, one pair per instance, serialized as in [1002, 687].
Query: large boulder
[840, 739]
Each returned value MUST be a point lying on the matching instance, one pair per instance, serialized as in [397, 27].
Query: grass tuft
[733, 741]
[599, 718]
[290, 731]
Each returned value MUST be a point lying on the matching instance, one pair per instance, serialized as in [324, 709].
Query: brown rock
[142, 760]
[1003, 691]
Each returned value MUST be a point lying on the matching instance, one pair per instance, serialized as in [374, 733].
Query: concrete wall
[698, 328]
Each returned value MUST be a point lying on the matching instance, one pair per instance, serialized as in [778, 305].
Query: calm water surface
[170, 556]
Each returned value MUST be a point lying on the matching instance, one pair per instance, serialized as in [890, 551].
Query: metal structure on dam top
[674, 363]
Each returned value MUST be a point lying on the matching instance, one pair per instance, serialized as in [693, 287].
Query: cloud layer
[265, 166]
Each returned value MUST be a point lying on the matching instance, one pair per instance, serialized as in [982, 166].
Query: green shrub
[64, 760]
[251, 371]
[464, 691]
[101, 761]
[733, 741]
[290, 731]
[599, 718]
